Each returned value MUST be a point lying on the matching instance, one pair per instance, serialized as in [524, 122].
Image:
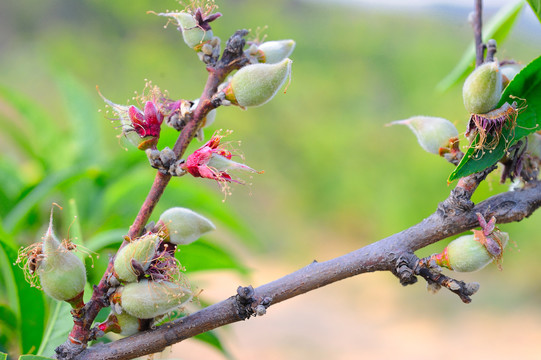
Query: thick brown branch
[379, 256]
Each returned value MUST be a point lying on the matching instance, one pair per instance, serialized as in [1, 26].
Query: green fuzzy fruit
[62, 274]
[256, 84]
[432, 133]
[467, 254]
[141, 250]
[184, 225]
[482, 89]
[148, 299]
[191, 33]
[128, 324]
[273, 52]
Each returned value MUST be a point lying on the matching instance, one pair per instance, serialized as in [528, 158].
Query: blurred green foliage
[335, 178]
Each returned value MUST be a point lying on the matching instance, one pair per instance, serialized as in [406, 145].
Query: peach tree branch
[232, 58]
[385, 255]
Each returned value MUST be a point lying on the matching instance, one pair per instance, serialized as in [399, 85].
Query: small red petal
[136, 116]
[206, 172]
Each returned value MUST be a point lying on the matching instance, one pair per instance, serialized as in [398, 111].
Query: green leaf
[58, 327]
[83, 118]
[33, 357]
[497, 28]
[111, 238]
[25, 301]
[20, 138]
[8, 318]
[3, 356]
[211, 338]
[203, 255]
[6, 271]
[34, 118]
[24, 206]
[526, 86]
[536, 7]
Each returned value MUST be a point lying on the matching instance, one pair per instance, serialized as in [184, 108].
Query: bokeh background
[335, 178]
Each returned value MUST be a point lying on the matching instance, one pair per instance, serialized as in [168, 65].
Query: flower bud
[509, 71]
[272, 52]
[256, 84]
[432, 133]
[483, 88]
[62, 274]
[148, 299]
[473, 252]
[185, 226]
[140, 251]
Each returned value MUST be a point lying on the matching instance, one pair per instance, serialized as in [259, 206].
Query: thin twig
[478, 33]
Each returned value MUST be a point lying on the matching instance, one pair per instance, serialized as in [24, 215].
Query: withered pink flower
[212, 161]
[141, 128]
[147, 123]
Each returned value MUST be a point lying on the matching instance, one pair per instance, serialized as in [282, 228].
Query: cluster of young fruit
[146, 281]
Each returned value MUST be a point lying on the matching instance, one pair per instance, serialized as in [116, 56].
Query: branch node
[233, 55]
[404, 268]
[248, 304]
[491, 50]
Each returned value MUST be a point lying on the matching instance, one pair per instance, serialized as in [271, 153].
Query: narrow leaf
[30, 307]
[497, 28]
[34, 118]
[525, 89]
[83, 118]
[3, 356]
[8, 318]
[39, 192]
[211, 338]
[111, 238]
[6, 271]
[33, 357]
[58, 327]
[536, 7]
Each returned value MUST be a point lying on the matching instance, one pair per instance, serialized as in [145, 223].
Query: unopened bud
[509, 71]
[62, 274]
[184, 226]
[470, 253]
[272, 52]
[432, 133]
[256, 84]
[148, 299]
[483, 88]
[140, 251]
